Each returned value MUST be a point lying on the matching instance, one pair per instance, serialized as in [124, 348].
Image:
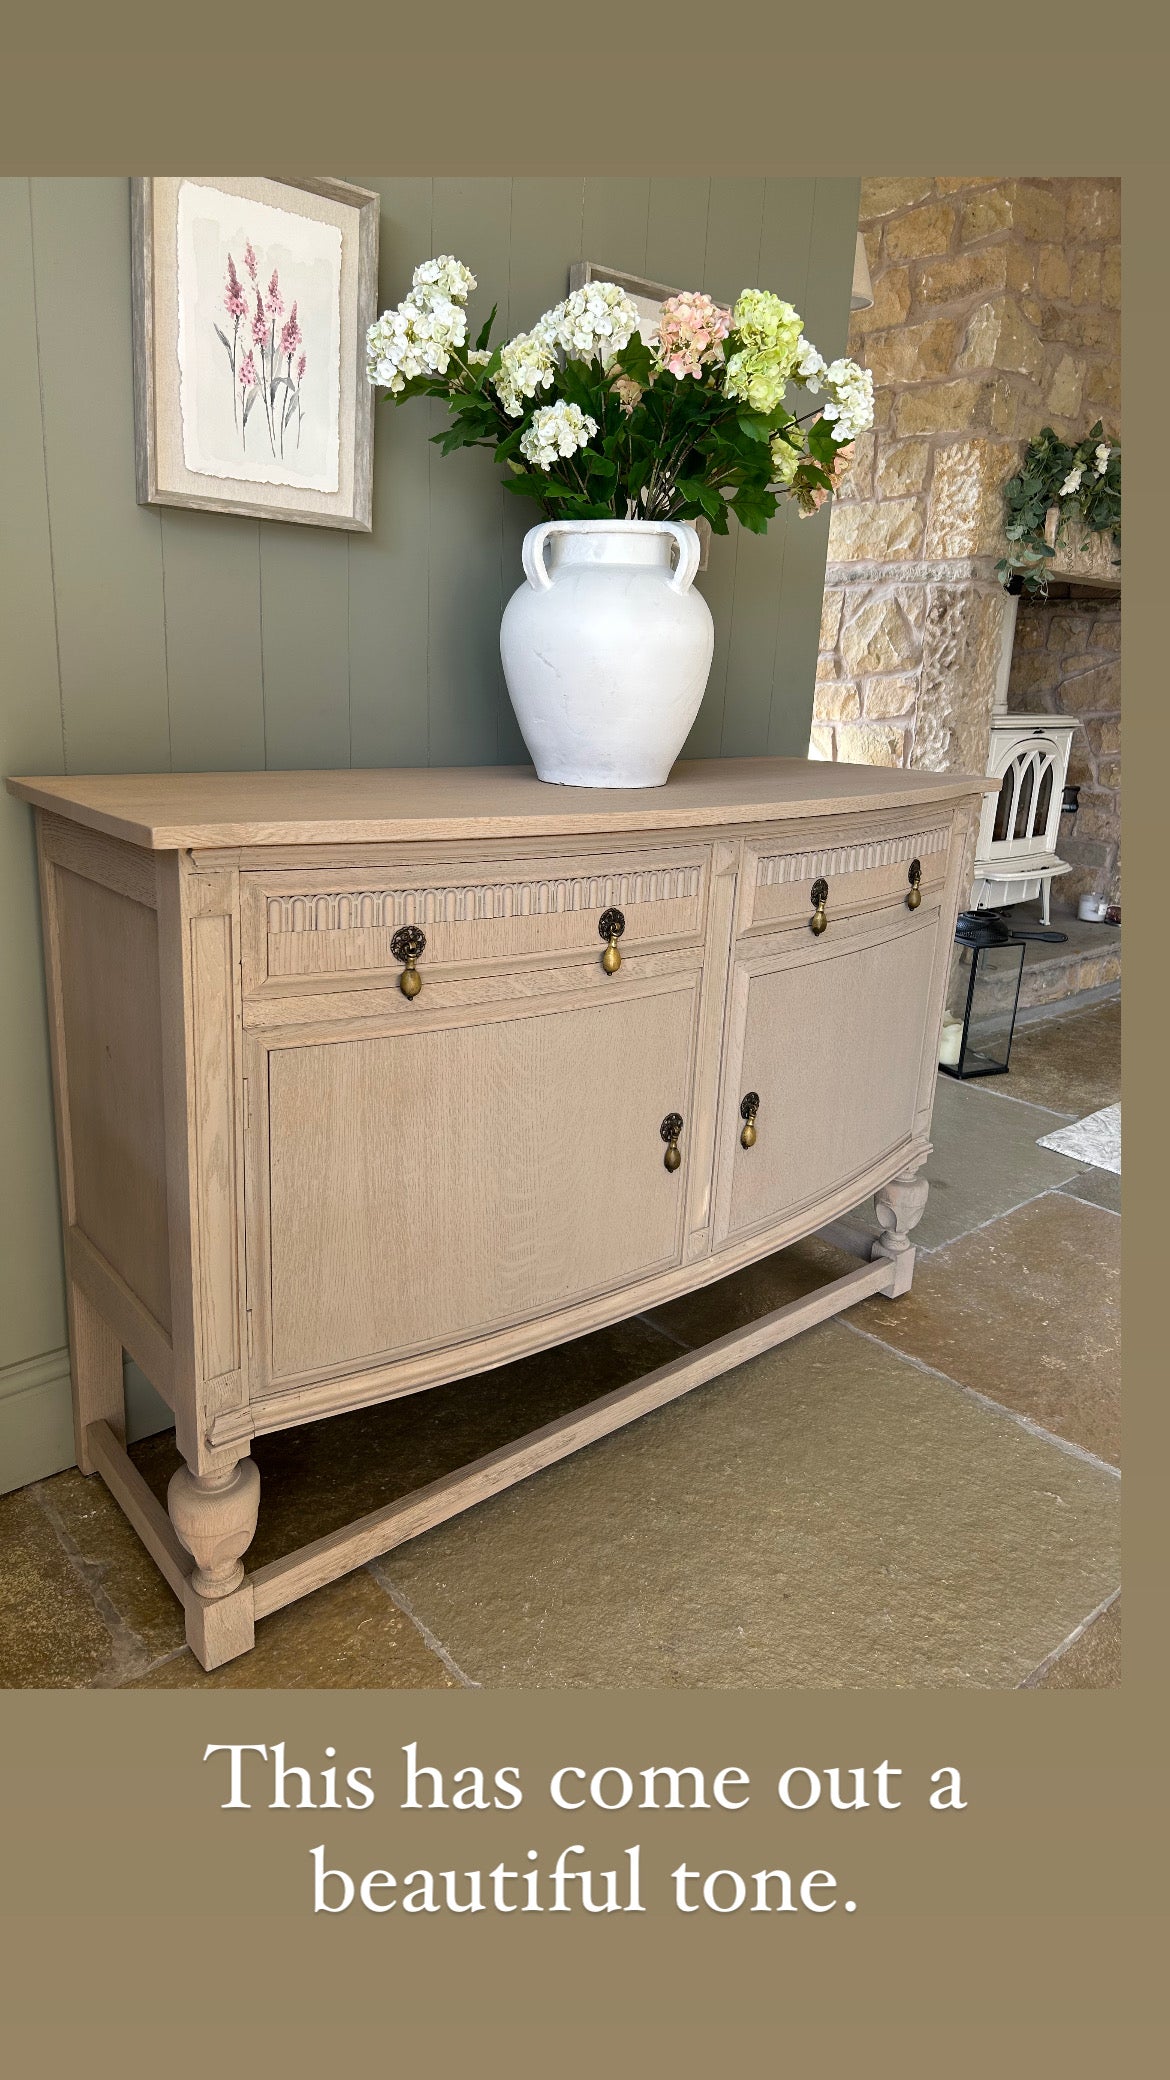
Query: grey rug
[1095, 1140]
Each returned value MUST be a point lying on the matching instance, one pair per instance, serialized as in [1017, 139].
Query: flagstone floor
[921, 1494]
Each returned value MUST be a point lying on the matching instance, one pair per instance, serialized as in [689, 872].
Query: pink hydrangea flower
[259, 322]
[691, 328]
[275, 299]
[290, 337]
[246, 374]
[301, 369]
[250, 259]
[233, 301]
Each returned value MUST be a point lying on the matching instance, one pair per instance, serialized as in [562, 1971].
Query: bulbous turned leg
[900, 1206]
[214, 1514]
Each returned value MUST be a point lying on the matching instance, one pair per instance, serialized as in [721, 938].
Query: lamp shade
[862, 297]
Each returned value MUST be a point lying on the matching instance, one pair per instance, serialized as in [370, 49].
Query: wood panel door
[829, 1037]
[418, 1181]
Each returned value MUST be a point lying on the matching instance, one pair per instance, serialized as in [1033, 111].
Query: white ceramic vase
[606, 649]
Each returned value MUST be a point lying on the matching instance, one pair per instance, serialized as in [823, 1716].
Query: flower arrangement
[1081, 482]
[259, 345]
[593, 422]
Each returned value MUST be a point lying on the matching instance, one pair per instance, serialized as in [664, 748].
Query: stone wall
[1067, 661]
[996, 311]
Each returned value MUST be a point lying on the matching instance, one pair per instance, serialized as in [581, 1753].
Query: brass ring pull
[611, 924]
[406, 945]
[749, 1106]
[670, 1130]
[820, 896]
[914, 877]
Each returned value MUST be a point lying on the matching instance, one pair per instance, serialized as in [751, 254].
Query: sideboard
[367, 1081]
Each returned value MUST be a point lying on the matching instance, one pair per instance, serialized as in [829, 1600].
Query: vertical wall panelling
[107, 550]
[389, 569]
[613, 222]
[146, 637]
[30, 736]
[304, 618]
[472, 220]
[215, 674]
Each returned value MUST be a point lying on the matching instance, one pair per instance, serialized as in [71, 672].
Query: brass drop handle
[406, 945]
[820, 896]
[611, 924]
[749, 1106]
[670, 1130]
[914, 892]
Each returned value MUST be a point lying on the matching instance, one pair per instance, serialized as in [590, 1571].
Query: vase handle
[532, 555]
[690, 548]
[686, 540]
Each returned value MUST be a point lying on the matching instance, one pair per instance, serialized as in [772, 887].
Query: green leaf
[485, 330]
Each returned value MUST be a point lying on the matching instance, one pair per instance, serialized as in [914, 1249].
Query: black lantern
[982, 996]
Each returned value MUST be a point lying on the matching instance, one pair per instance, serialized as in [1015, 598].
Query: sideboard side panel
[105, 966]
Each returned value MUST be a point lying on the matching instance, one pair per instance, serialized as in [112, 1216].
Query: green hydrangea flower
[770, 334]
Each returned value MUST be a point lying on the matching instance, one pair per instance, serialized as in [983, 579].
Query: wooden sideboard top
[168, 812]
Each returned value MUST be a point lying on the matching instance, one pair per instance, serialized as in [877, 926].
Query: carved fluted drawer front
[336, 928]
[828, 877]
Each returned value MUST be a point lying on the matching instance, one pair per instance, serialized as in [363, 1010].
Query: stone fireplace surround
[996, 311]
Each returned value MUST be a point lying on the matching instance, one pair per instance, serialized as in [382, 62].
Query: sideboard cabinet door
[828, 1037]
[425, 1179]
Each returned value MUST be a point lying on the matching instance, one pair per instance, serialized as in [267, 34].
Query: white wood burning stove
[1016, 857]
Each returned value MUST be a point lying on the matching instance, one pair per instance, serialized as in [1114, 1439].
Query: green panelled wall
[146, 639]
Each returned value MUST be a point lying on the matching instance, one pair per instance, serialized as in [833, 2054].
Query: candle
[950, 1044]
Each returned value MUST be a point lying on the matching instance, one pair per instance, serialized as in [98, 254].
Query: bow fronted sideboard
[367, 1081]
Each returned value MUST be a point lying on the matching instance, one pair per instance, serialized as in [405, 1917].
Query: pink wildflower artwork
[691, 329]
[265, 364]
[233, 301]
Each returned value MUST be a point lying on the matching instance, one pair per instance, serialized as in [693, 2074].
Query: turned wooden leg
[214, 1514]
[900, 1206]
[95, 1366]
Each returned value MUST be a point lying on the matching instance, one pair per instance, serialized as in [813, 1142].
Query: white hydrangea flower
[446, 277]
[556, 429]
[809, 366]
[478, 357]
[1072, 482]
[599, 319]
[415, 339]
[1101, 456]
[850, 399]
[526, 366]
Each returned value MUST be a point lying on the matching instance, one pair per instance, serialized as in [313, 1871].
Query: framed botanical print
[252, 298]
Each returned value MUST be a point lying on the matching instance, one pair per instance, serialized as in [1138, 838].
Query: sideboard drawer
[862, 873]
[330, 928]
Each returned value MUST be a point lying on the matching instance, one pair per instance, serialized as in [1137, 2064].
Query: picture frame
[649, 297]
[245, 289]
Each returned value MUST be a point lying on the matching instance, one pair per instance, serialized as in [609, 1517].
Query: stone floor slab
[1072, 1064]
[349, 1636]
[52, 1635]
[1099, 1187]
[1026, 1311]
[1093, 1662]
[828, 1516]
